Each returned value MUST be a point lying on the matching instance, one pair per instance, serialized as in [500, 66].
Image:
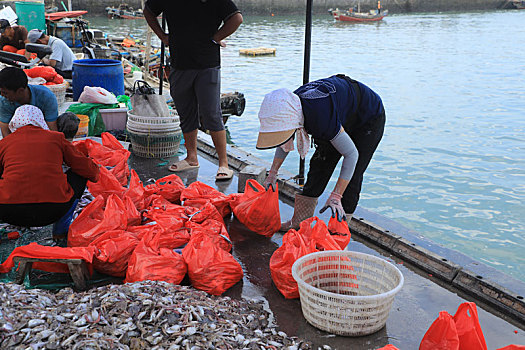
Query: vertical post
[306, 69]
[162, 53]
[69, 5]
[147, 54]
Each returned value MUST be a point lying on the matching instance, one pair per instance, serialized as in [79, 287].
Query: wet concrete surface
[415, 307]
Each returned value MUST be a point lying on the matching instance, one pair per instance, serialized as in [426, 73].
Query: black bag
[146, 103]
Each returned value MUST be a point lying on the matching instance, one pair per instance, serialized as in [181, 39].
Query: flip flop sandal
[181, 166]
[224, 174]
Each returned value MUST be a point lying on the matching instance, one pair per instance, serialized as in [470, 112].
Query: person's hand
[334, 203]
[271, 180]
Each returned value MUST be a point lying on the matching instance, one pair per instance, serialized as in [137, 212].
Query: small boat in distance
[351, 16]
[355, 15]
[124, 11]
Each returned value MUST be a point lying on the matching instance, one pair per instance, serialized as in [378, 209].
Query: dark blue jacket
[331, 103]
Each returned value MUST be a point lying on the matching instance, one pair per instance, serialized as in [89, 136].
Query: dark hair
[12, 78]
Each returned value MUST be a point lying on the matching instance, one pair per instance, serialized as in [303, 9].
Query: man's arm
[153, 23]
[5, 129]
[49, 62]
[228, 28]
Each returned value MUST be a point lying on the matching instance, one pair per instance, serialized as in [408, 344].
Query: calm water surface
[451, 165]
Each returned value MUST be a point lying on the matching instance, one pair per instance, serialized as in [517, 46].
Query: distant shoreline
[269, 7]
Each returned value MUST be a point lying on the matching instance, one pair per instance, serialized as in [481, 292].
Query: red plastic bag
[135, 191]
[312, 236]
[197, 193]
[215, 230]
[114, 251]
[461, 332]
[388, 347]
[468, 327]
[147, 263]
[293, 247]
[132, 213]
[210, 268]
[106, 185]
[340, 232]
[258, 209]
[89, 225]
[441, 335]
[34, 250]
[169, 187]
[111, 141]
[46, 72]
[513, 347]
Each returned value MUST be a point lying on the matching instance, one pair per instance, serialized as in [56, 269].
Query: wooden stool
[77, 269]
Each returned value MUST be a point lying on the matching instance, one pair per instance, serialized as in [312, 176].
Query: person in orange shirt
[34, 190]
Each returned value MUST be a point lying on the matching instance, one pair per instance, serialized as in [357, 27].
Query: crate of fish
[346, 293]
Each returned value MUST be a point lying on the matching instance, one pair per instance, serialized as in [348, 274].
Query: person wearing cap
[61, 58]
[34, 191]
[345, 118]
[12, 35]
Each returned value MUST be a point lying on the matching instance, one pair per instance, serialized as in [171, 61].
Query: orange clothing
[31, 166]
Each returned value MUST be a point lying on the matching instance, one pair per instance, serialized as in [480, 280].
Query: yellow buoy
[259, 51]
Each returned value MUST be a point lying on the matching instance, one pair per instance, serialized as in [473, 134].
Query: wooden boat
[356, 16]
[56, 16]
[124, 11]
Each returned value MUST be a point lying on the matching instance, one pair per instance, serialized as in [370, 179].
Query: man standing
[195, 37]
[14, 36]
[61, 58]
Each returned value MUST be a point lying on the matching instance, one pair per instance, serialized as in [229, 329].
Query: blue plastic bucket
[108, 74]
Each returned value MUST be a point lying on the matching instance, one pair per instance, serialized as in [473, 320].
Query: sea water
[451, 165]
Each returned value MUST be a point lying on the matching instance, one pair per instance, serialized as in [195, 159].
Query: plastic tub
[346, 293]
[108, 74]
[83, 126]
[31, 15]
[114, 118]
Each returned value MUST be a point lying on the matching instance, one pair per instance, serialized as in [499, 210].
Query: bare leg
[190, 139]
[219, 141]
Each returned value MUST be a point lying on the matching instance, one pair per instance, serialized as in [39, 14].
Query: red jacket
[31, 166]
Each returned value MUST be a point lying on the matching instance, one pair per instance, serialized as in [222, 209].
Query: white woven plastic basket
[346, 293]
[60, 92]
[154, 137]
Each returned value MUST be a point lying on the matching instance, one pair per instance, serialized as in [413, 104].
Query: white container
[114, 118]
[346, 293]
[137, 75]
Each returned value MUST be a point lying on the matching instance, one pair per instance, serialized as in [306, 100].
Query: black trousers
[326, 157]
[66, 74]
[42, 214]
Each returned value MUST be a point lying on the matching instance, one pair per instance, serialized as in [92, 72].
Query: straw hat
[280, 116]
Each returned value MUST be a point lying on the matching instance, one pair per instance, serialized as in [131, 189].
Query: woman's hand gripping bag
[258, 209]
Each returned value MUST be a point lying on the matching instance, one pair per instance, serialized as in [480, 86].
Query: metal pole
[306, 69]
[162, 50]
